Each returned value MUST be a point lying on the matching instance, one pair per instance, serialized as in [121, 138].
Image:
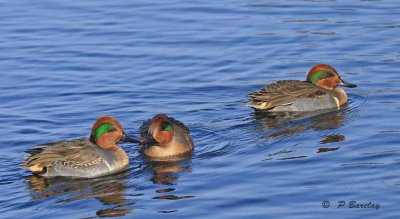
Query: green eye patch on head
[104, 128]
[166, 126]
[318, 75]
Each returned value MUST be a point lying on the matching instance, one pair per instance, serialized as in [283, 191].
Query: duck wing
[74, 154]
[283, 93]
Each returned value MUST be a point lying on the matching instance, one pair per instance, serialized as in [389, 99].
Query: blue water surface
[65, 63]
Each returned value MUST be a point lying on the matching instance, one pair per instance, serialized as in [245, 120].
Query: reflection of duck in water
[164, 136]
[294, 122]
[318, 92]
[109, 190]
[83, 158]
[166, 171]
[284, 124]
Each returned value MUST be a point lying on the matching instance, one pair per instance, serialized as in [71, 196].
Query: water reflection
[322, 150]
[286, 124]
[109, 190]
[167, 171]
[290, 123]
[332, 138]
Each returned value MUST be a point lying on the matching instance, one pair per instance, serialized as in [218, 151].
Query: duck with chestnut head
[164, 137]
[82, 158]
[320, 91]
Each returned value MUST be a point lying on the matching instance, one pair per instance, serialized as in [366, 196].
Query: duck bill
[148, 140]
[346, 84]
[151, 141]
[126, 138]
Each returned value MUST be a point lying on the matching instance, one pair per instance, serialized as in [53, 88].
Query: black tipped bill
[126, 138]
[346, 84]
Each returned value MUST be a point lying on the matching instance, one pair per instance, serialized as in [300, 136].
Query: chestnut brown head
[107, 132]
[327, 77]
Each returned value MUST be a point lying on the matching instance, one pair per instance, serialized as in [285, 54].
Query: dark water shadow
[286, 124]
[166, 171]
[109, 190]
[280, 124]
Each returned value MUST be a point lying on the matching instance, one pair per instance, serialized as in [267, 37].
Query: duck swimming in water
[82, 158]
[163, 136]
[318, 92]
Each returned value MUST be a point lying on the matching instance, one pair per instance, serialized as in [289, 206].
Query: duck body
[82, 158]
[294, 95]
[164, 136]
[318, 92]
[78, 158]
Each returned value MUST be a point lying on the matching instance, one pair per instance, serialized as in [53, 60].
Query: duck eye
[322, 74]
[166, 126]
[329, 75]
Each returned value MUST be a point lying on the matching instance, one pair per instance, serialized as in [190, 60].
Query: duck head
[327, 77]
[164, 136]
[107, 132]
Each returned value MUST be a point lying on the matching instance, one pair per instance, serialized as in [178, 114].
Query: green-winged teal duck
[318, 92]
[163, 136]
[82, 158]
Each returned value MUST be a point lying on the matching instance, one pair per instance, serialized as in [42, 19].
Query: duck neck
[342, 96]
